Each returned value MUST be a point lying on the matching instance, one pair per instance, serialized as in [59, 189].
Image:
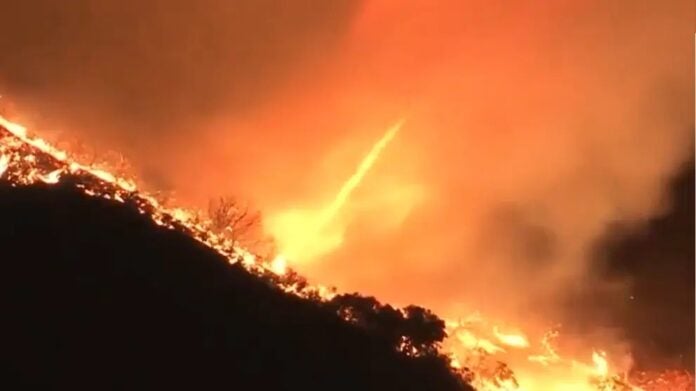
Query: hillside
[97, 296]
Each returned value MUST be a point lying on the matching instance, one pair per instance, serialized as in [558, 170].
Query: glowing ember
[671, 380]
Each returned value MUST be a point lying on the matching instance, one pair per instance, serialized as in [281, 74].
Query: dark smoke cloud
[655, 261]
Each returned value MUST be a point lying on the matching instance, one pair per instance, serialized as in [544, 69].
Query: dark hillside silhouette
[96, 296]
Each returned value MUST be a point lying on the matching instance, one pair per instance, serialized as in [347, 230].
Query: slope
[96, 295]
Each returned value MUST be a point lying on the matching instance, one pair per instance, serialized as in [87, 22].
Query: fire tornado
[306, 234]
[365, 165]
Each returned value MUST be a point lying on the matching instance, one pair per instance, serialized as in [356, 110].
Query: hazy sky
[529, 130]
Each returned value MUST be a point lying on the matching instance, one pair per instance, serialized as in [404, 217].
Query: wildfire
[475, 347]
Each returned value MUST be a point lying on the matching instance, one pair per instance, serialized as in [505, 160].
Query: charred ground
[95, 295]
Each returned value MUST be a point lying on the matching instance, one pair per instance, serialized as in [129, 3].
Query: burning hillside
[488, 355]
[103, 290]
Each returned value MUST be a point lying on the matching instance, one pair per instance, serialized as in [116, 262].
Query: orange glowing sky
[527, 129]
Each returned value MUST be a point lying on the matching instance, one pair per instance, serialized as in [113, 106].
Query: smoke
[529, 129]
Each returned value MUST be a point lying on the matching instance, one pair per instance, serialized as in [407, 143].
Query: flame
[549, 355]
[52, 177]
[279, 265]
[480, 346]
[306, 234]
[600, 362]
[476, 347]
[513, 340]
[4, 163]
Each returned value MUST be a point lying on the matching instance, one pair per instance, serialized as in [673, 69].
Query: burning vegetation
[486, 355]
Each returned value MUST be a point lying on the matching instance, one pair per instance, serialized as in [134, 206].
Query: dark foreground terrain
[96, 296]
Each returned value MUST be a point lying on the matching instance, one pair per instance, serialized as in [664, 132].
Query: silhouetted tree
[241, 224]
[414, 331]
[425, 331]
